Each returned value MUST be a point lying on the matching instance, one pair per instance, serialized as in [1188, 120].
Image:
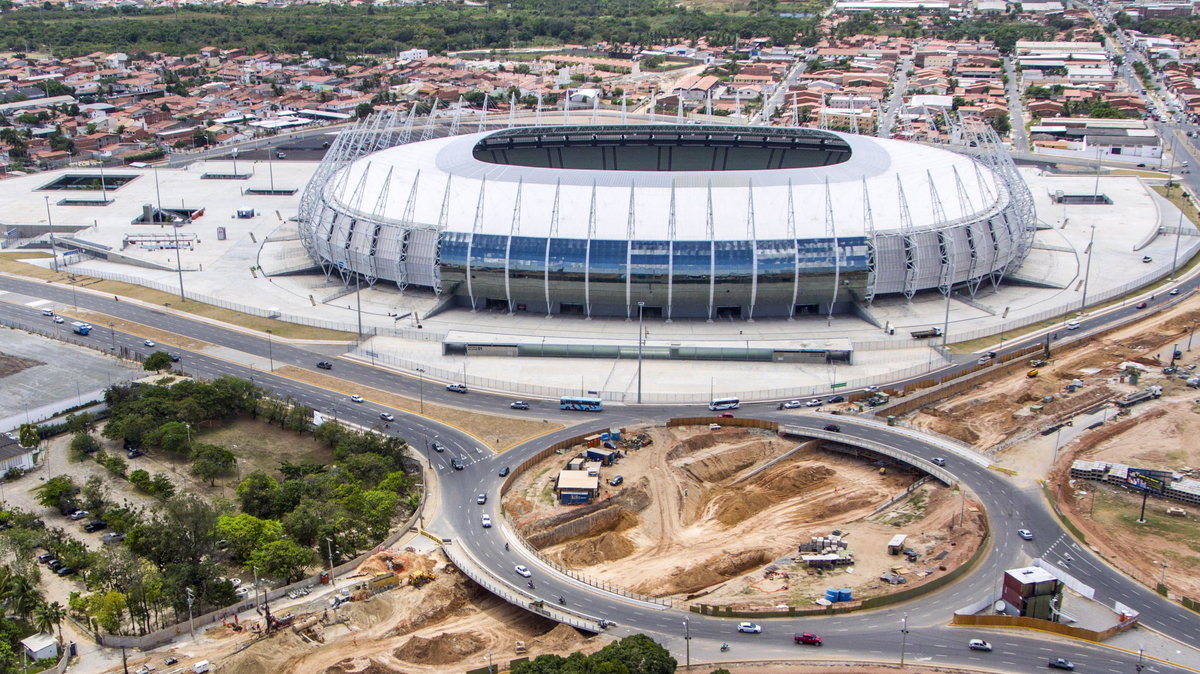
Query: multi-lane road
[870, 635]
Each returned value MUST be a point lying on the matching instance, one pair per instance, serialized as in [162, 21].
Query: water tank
[147, 212]
[844, 594]
[831, 595]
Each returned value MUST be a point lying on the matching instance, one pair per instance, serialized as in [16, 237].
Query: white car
[979, 645]
[356, 398]
[792, 404]
[871, 389]
[522, 571]
[149, 343]
[815, 402]
[486, 521]
[753, 628]
[1025, 533]
[387, 416]
[59, 319]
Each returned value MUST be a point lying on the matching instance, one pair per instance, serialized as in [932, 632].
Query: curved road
[872, 635]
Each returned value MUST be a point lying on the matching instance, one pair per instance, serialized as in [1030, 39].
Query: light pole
[1087, 274]
[50, 223]
[903, 638]
[1162, 577]
[158, 217]
[332, 578]
[687, 637]
[271, 350]
[191, 625]
[639, 389]
[421, 387]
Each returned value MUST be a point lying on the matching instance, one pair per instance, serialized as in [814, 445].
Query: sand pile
[716, 467]
[767, 490]
[442, 598]
[606, 547]
[594, 523]
[711, 571]
[561, 639]
[444, 649]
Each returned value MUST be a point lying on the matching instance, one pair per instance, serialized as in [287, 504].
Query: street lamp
[687, 634]
[1087, 274]
[639, 389]
[1162, 577]
[903, 638]
[271, 350]
[112, 334]
[421, 387]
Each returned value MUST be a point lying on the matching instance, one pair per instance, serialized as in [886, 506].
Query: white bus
[724, 404]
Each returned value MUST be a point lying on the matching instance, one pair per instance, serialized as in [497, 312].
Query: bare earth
[692, 519]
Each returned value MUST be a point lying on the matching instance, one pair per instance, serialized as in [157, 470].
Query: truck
[878, 398]
[81, 328]
[931, 332]
[1140, 396]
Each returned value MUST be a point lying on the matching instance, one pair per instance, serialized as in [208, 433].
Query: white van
[201, 667]
[47, 312]
[1072, 325]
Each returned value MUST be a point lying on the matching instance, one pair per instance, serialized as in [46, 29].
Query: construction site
[742, 517]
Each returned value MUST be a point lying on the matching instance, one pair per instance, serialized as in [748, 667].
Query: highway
[455, 515]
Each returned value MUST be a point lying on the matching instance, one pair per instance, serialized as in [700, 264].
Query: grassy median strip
[10, 263]
[498, 432]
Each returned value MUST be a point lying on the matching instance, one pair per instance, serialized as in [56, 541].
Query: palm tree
[22, 596]
[49, 615]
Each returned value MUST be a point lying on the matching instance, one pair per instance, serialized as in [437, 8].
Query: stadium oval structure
[688, 221]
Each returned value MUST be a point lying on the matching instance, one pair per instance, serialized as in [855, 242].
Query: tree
[211, 462]
[108, 610]
[28, 434]
[56, 492]
[639, 653]
[82, 444]
[257, 494]
[283, 559]
[157, 362]
[363, 109]
[22, 596]
[246, 533]
[49, 615]
[173, 436]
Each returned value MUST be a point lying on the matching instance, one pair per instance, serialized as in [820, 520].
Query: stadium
[674, 220]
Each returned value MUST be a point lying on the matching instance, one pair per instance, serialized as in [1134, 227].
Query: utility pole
[1087, 274]
[687, 638]
[191, 597]
[639, 385]
[271, 350]
[903, 638]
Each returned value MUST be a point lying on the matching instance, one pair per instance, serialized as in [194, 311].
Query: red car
[808, 638]
[726, 415]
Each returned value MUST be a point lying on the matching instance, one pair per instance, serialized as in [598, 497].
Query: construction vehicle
[1032, 373]
[1142, 396]
[878, 398]
[519, 647]
[419, 578]
[931, 332]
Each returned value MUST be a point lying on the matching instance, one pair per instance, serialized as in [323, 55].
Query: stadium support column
[911, 253]
[751, 234]
[630, 232]
[553, 234]
[587, 258]
[945, 270]
[791, 234]
[513, 230]
[712, 253]
[443, 221]
[831, 230]
[966, 208]
[872, 243]
[471, 241]
[671, 253]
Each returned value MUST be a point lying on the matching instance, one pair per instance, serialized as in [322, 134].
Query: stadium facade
[690, 221]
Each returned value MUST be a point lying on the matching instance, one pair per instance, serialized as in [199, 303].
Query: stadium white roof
[379, 186]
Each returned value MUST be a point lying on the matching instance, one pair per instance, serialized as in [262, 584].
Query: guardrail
[877, 447]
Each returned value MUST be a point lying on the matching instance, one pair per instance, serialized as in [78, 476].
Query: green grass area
[910, 511]
[11, 263]
[1175, 538]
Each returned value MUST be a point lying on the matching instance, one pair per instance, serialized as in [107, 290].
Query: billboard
[1144, 482]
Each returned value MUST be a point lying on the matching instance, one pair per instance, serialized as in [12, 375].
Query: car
[1140, 305]
[1072, 325]
[112, 537]
[1174, 291]
[45, 557]
[815, 402]
[438, 447]
[457, 463]
[54, 564]
[726, 415]
[807, 638]
[481, 499]
[522, 571]
[386, 416]
[47, 312]
[983, 360]
[1141, 166]
[170, 661]
[77, 515]
[64, 571]
[833, 428]
[505, 471]
[1061, 663]
[456, 388]
[791, 405]
[150, 343]
[1025, 533]
[519, 405]
[356, 398]
[617, 479]
[95, 525]
[938, 461]
[134, 453]
[486, 521]
[174, 357]
[281, 155]
[1147, 258]
[979, 645]
[836, 399]
[59, 319]
[750, 628]
[324, 365]
[870, 389]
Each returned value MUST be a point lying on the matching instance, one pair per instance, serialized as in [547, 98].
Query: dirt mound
[560, 639]
[444, 649]
[702, 441]
[715, 468]
[599, 522]
[837, 504]
[360, 666]
[444, 597]
[606, 547]
[767, 490]
[714, 570]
